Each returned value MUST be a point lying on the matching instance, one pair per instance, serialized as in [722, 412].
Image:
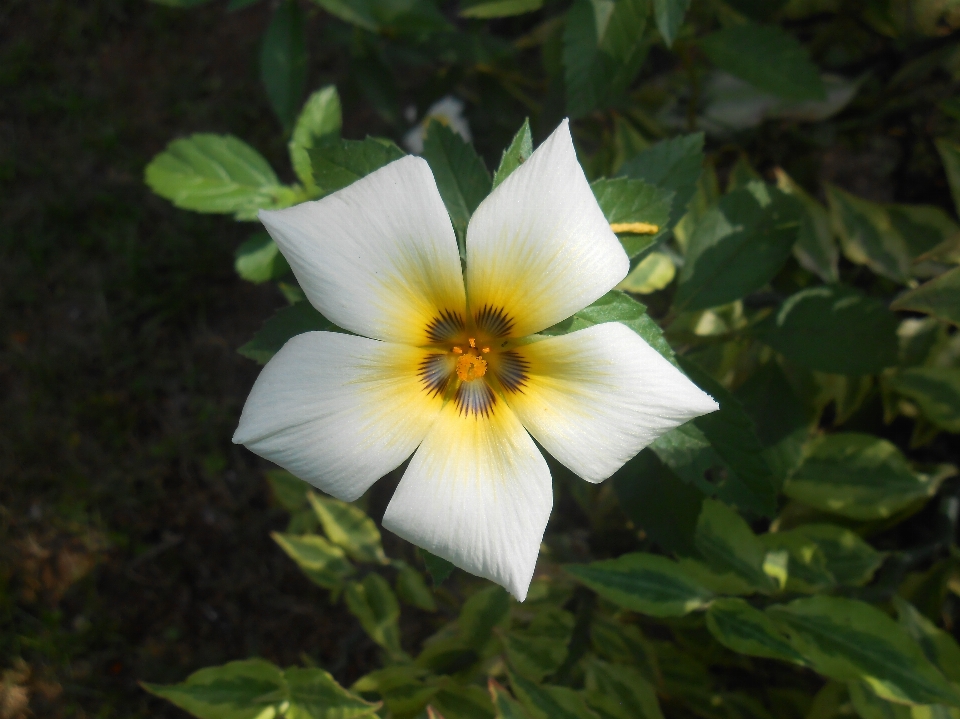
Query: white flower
[441, 369]
[447, 110]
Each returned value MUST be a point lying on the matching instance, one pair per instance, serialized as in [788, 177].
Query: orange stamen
[471, 367]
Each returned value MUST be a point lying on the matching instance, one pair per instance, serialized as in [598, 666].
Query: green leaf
[657, 501]
[259, 260]
[539, 650]
[290, 491]
[728, 544]
[518, 152]
[858, 476]
[939, 297]
[486, 9]
[319, 122]
[339, 163]
[505, 705]
[807, 566]
[455, 699]
[438, 567]
[669, 15]
[355, 12]
[936, 390]
[746, 630]
[286, 323]
[323, 563]
[868, 235]
[217, 174]
[483, 611]
[646, 583]
[675, 164]
[869, 706]
[283, 61]
[950, 156]
[849, 559]
[938, 646]
[767, 57]
[630, 202]
[848, 640]
[816, 249]
[412, 589]
[603, 49]
[461, 176]
[738, 246]
[375, 605]
[833, 329]
[620, 691]
[402, 687]
[922, 227]
[314, 694]
[349, 527]
[548, 702]
[237, 690]
[617, 307]
[750, 484]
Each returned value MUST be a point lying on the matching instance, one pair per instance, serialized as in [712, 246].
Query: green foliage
[669, 15]
[338, 163]
[286, 323]
[319, 122]
[259, 260]
[283, 61]
[939, 297]
[516, 153]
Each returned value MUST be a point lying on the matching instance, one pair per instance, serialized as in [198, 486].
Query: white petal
[596, 397]
[379, 257]
[539, 247]
[339, 411]
[478, 494]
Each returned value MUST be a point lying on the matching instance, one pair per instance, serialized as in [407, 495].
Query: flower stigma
[470, 366]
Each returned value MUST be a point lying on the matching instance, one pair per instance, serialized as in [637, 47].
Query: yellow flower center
[471, 366]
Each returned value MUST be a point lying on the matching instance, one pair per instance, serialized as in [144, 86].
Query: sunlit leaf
[348, 526]
[728, 544]
[517, 152]
[636, 203]
[339, 163]
[654, 272]
[314, 694]
[373, 602]
[675, 164]
[320, 121]
[324, 563]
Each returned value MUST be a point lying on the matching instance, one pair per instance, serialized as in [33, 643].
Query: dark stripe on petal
[445, 327]
[512, 371]
[435, 372]
[475, 398]
[493, 322]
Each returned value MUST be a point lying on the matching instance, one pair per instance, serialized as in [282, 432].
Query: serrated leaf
[747, 630]
[645, 583]
[314, 694]
[373, 602]
[767, 57]
[620, 692]
[286, 323]
[936, 390]
[849, 640]
[733, 436]
[738, 246]
[669, 15]
[550, 702]
[603, 49]
[617, 307]
[939, 297]
[868, 235]
[218, 174]
[675, 164]
[461, 176]
[539, 650]
[319, 122]
[259, 260]
[636, 206]
[348, 526]
[517, 152]
[833, 329]
[487, 9]
[339, 163]
[858, 476]
[412, 590]
[323, 563]
[728, 544]
[283, 61]
[237, 690]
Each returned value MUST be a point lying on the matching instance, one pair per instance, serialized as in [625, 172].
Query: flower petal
[596, 397]
[478, 494]
[340, 411]
[539, 247]
[379, 257]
